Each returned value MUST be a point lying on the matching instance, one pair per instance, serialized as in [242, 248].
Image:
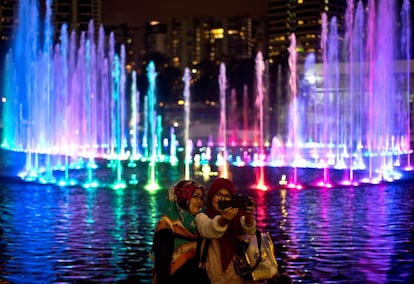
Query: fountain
[353, 114]
[65, 107]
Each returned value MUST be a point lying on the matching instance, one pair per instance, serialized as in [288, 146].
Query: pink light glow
[324, 184]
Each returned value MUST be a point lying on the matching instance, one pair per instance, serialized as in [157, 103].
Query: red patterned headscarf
[184, 190]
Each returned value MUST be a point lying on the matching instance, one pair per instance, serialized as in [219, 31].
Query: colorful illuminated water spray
[65, 107]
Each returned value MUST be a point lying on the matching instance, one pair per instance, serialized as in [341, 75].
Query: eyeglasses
[197, 196]
[223, 196]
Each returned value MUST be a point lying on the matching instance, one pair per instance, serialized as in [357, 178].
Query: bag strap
[259, 245]
[205, 251]
[202, 256]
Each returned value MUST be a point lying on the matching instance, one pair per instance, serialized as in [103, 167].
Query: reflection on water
[341, 235]
[52, 234]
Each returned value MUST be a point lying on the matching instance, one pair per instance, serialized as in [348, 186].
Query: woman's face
[221, 194]
[196, 202]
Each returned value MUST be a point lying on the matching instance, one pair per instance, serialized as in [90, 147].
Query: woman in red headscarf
[223, 227]
[175, 238]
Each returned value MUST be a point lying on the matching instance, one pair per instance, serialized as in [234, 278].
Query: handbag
[255, 257]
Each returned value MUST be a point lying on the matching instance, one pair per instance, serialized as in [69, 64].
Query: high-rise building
[7, 22]
[304, 19]
[155, 37]
[7, 19]
[128, 37]
[188, 42]
[77, 13]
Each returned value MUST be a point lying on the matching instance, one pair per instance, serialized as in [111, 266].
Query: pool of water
[72, 234]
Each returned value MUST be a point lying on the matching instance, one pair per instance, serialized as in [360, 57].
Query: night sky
[137, 12]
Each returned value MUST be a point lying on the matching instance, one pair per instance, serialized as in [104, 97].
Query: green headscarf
[176, 207]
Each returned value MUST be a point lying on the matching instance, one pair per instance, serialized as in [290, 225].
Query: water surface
[72, 234]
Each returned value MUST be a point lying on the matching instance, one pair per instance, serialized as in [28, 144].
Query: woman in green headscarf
[175, 238]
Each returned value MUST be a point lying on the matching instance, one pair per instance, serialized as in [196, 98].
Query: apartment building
[302, 18]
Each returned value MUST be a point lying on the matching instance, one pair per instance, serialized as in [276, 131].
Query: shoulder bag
[255, 258]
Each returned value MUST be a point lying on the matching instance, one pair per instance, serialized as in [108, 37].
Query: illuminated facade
[302, 18]
[75, 13]
[191, 41]
[183, 41]
[7, 19]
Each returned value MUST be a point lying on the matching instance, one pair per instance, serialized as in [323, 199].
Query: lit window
[218, 33]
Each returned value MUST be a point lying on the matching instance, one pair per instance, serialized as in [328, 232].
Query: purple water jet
[66, 101]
